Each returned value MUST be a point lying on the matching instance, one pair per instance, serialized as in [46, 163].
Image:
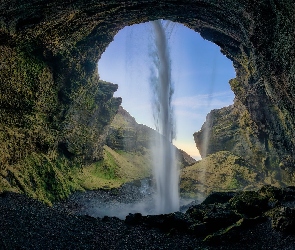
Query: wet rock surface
[29, 224]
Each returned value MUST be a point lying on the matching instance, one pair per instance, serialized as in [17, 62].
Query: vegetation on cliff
[232, 129]
[126, 134]
[40, 159]
[219, 172]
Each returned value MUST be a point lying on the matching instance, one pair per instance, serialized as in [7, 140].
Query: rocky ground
[132, 197]
[247, 220]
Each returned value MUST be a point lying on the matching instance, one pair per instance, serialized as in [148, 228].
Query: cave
[54, 110]
[51, 94]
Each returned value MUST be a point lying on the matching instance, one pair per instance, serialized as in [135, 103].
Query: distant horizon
[200, 75]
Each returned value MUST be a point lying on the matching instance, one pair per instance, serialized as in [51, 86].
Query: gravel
[133, 197]
[29, 224]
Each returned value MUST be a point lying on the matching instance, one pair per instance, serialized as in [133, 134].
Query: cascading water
[164, 155]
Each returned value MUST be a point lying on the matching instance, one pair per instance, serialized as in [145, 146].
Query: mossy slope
[232, 129]
[116, 168]
[222, 171]
[126, 134]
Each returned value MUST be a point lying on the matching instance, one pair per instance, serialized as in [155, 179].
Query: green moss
[41, 177]
[53, 178]
[221, 171]
[233, 184]
[234, 228]
[250, 203]
[28, 100]
[237, 87]
[107, 167]
[116, 168]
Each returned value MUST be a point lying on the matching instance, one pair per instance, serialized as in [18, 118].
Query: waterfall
[164, 153]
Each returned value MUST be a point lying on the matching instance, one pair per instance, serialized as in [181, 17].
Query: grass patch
[115, 169]
[222, 171]
[49, 179]
[40, 177]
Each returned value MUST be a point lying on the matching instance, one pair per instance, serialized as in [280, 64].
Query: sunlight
[200, 72]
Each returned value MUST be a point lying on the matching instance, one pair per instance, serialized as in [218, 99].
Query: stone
[249, 203]
[215, 216]
[282, 219]
[218, 197]
[133, 219]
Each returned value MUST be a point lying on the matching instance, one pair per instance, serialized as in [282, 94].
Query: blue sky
[200, 76]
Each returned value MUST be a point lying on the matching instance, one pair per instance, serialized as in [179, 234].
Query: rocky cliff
[53, 108]
[231, 129]
[126, 134]
[126, 156]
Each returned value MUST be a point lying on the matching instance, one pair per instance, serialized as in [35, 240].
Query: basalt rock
[214, 218]
[282, 219]
[27, 223]
[50, 94]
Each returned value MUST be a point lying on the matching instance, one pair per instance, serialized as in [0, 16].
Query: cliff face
[126, 134]
[53, 108]
[52, 117]
[232, 129]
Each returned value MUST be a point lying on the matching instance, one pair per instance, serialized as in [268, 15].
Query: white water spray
[164, 155]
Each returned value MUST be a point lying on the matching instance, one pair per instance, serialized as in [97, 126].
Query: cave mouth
[200, 74]
[60, 50]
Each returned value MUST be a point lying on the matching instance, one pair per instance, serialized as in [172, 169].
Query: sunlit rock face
[232, 129]
[51, 100]
[124, 133]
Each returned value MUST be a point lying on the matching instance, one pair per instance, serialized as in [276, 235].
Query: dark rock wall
[52, 102]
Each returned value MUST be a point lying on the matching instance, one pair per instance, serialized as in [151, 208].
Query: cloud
[214, 100]
[190, 114]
